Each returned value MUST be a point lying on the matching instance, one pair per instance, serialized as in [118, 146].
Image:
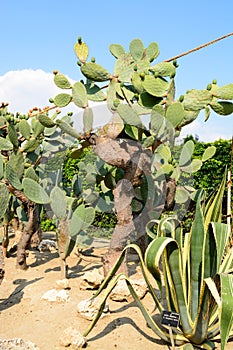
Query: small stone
[55, 295]
[73, 337]
[121, 291]
[140, 287]
[89, 308]
[17, 344]
[47, 245]
[62, 284]
[91, 280]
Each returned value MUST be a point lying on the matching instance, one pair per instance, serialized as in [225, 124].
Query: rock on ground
[73, 337]
[17, 344]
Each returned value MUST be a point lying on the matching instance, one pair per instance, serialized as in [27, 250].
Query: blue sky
[38, 37]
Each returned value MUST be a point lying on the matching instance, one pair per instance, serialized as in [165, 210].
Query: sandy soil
[24, 315]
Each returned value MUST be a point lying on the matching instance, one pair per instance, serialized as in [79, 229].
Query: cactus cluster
[139, 86]
[146, 120]
[33, 150]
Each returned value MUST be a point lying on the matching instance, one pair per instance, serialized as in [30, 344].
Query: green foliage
[214, 166]
[103, 225]
[47, 224]
[71, 165]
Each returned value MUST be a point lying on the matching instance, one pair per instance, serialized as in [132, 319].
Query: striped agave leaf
[196, 272]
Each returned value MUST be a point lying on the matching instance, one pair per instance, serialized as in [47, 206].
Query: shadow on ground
[16, 296]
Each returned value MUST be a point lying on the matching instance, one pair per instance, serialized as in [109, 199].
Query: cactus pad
[4, 199]
[94, 93]
[224, 92]
[95, 72]
[46, 121]
[222, 107]
[31, 145]
[128, 115]
[12, 134]
[79, 94]
[34, 192]
[81, 219]
[155, 86]
[5, 145]
[87, 119]
[67, 128]
[208, 153]
[24, 129]
[186, 153]
[193, 167]
[116, 50]
[81, 50]
[114, 127]
[37, 128]
[62, 100]
[12, 177]
[152, 51]
[181, 195]
[164, 69]
[1, 168]
[62, 82]
[175, 114]
[136, 48]
[58, 202]
[16, 161]
[30, 173]
[195, 100]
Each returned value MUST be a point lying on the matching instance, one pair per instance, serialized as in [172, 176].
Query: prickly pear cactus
[139, 141]
[33, 148]
[137, 145]
[137, 87]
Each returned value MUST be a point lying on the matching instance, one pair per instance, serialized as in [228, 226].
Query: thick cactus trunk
[2, 270]
[62, 240]
[135, 162]
[5, 240]
[32, 226]
[123, 195]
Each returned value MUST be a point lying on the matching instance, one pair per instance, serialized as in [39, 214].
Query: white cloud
[26, 89]
[214, 129]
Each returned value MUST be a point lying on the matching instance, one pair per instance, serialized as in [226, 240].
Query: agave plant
[195, 270]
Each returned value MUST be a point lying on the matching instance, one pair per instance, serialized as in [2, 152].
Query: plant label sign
[171, 319]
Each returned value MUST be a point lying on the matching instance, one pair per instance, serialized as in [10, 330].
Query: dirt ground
[24, 315]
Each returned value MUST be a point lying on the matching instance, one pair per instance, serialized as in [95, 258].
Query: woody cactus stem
[31, 227]
[62, 237]
[135, 162]
[123, 195]
[5, 240]
[2, 271]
